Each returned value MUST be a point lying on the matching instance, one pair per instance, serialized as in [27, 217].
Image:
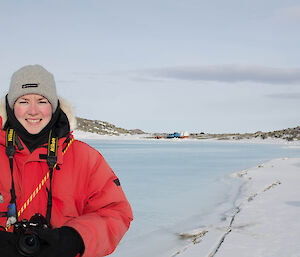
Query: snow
[78, 134]
[266, 220]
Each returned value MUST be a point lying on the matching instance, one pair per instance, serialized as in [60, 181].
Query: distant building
[171, 136]
[184, 134]
[176, 134]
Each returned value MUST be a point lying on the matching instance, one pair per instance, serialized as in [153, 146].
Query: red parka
[86, 193]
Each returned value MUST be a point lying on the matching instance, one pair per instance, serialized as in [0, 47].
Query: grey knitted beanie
[32, 79]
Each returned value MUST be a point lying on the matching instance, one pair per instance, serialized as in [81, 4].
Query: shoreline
[81, 135]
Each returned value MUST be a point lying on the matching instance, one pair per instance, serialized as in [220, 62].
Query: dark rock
[104, 128]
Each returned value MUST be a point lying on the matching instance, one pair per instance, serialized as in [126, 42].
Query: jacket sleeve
[106, 214]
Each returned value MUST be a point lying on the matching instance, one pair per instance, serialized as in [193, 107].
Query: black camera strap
[10, 150]
[51, 161]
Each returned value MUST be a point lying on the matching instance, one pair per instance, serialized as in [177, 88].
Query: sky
[163, 65]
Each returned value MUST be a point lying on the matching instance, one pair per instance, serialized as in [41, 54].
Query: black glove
[60, 242]
[8, 244]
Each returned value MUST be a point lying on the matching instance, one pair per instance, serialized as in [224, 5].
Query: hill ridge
[106, 128]
[103, 127]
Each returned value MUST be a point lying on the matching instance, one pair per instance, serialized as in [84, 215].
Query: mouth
[33, 121]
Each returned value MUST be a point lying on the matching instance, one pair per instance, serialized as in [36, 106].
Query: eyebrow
[25, 98]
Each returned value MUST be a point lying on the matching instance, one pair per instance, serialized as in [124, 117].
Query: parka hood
[64, 105]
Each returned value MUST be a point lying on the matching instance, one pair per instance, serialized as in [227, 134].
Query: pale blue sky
[163, 65]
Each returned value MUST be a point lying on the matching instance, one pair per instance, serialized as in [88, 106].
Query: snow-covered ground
[78, 134]
[88, 135]
[265, 222]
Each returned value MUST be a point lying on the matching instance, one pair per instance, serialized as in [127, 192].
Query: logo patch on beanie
[30, 85]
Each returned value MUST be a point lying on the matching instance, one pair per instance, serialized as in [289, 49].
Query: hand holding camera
[35, 238]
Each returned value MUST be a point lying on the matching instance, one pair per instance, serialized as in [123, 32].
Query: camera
[28, 243]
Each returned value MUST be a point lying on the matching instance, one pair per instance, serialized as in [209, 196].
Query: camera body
[28, 243]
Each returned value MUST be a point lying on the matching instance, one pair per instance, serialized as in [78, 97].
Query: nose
[33, 109]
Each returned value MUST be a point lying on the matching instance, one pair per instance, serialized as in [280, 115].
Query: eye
[43, 100]
[22, 102]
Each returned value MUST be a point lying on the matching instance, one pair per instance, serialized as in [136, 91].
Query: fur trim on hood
[64, 105]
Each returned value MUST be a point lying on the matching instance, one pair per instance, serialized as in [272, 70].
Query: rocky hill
[289, 134]
[103, 127]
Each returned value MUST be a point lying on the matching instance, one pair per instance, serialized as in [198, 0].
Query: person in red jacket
[48, 177]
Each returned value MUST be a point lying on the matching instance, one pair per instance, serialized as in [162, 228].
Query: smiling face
[33, 111]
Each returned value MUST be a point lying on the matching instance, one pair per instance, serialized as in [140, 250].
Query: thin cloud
[61, 81]
[87, 75]
[288, 14]
[284, 96]
[229, 73]
[95, 74]
[285, 16]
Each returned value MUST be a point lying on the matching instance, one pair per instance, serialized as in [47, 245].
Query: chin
[33, 130]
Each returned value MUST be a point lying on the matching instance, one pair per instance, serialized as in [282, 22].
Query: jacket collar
[39, 154]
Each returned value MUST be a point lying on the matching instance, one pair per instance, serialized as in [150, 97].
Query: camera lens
[30, 241]
[28, 244]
